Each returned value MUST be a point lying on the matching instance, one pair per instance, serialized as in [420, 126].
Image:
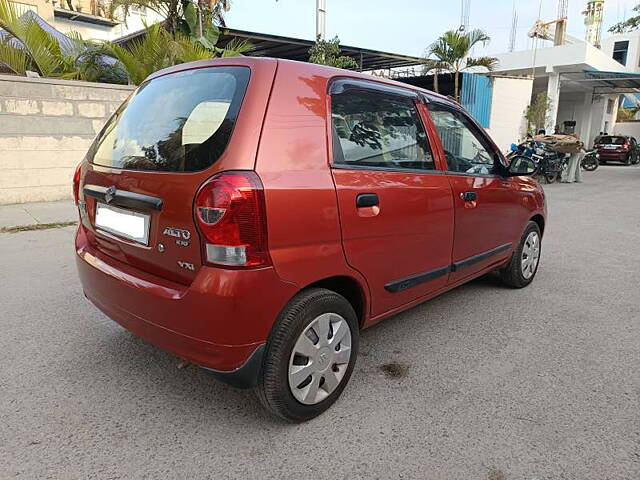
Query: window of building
[620, 50]
[379, 129]
[465, 148]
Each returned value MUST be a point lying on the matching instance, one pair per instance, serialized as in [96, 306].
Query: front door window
[465, 149]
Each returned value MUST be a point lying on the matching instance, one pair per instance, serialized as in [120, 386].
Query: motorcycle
[550, 164]
[591, 161]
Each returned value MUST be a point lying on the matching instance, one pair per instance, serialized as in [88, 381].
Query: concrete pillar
[585, 124]
[553, 94]
[614, 114]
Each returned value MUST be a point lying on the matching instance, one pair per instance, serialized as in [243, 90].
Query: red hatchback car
[616, 148]
[253, 215]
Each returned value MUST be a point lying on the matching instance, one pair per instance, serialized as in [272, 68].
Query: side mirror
[521, 166]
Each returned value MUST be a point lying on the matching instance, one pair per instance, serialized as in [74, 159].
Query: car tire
[523, 266]
[627, 160]
[280, 386]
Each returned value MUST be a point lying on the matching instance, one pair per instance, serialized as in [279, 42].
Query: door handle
[469, 196]
[365, 200]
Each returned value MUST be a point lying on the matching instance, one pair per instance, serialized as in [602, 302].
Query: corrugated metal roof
[603, 82]
[289, 48]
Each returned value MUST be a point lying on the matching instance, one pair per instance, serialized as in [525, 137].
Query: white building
[582, 82]
[89, 18]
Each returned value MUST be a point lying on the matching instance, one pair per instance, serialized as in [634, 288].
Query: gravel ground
[481, 383]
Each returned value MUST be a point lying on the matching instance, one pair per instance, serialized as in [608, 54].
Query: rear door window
[181, 122]
[378, 129]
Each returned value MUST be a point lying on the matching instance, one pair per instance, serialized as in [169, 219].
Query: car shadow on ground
[185, 394]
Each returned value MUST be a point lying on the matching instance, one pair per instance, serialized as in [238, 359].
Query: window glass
[180, 122]
[620, 50]
[374, 129]
[612, 140]
[610, 104]
[464, 148]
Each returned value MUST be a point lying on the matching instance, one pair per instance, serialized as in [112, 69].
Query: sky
[410, 26]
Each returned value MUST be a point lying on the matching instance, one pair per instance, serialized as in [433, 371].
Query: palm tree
[451, 52]
[435, 66]
[158, 49]
[26, 46]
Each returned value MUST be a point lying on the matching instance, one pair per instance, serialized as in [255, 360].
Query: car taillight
[230, 213]
[625, 147]
[76, 184]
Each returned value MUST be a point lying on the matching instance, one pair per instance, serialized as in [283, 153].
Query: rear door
[488, 212]
[147, 164]
[396, 209]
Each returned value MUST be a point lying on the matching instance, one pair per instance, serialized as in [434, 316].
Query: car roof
[308, 68]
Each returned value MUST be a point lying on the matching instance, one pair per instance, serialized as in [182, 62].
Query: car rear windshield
[181, 122]
[612, 140]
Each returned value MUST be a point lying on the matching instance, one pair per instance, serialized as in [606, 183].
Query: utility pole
[321, 17]
[465, 9]
[514, 29]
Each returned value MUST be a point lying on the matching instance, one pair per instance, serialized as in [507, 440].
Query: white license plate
[123, 223]
[610, 147]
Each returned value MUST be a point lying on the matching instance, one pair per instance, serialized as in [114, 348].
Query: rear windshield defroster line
[181, 122]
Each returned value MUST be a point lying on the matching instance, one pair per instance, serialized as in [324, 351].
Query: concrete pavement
[28, 214]
[492, 383]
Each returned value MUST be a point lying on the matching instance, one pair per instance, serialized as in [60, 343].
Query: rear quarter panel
[302, 211]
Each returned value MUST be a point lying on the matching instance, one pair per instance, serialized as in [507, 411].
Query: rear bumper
[613, 156]
[219, 322]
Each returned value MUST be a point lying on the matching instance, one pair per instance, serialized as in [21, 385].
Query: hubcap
[320, 358]
[530, 255]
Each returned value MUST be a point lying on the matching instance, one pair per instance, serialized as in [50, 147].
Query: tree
[436, 67]
[189, 32]
[199, 20]
[27, 46]
[627, 114]
[537, 113]
[451, 52]
[158, 49]
[327, 52]
[632, 23]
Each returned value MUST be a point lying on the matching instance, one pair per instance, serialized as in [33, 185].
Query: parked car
[253, 215]
[617, 148]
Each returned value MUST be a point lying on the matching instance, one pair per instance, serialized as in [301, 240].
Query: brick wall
[46, 127]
